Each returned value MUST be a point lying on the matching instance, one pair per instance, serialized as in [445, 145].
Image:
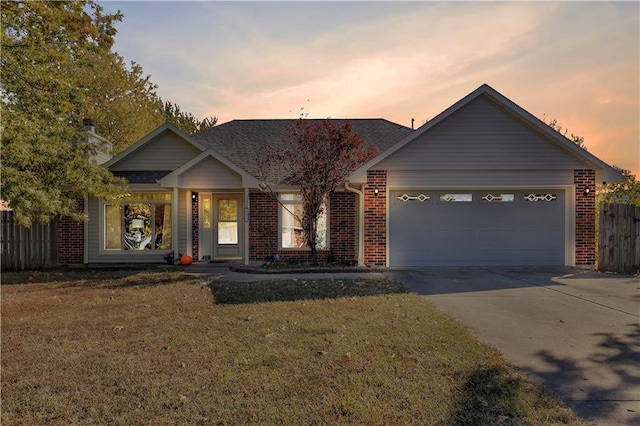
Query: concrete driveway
[574, 331]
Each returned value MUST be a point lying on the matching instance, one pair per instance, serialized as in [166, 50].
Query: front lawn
[131, 347]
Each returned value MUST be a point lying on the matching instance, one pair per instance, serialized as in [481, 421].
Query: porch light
[376, 192]
[586, 191]
[193, 196]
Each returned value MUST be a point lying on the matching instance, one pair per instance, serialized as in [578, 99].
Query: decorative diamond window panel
[456, 198]
[504, 198]
[540, 197]
[406, 197]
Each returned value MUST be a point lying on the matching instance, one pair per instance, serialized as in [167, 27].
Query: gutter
[360, 221]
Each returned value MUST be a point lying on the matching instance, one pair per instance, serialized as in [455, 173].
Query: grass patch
[302, 289]
[124, 347]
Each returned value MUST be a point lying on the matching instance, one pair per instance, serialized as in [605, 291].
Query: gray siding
[93, 229]
[479, 136]
[479, 178]
[167, 151]
[211, 173]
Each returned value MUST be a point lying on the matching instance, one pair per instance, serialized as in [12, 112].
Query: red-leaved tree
[316, 156]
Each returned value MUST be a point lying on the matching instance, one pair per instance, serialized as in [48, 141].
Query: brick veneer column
[375, 219]
[343, 227]
[585, 216]
[195, 226]
[263, 225]
[71, 239]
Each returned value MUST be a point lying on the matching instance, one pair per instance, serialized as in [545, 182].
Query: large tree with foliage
[316, 156]
[46, 49]
[186, 121]
[58, 68]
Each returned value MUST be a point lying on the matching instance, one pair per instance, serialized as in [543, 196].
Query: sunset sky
[577, 62]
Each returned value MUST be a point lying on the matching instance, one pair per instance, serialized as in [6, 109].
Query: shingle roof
[241, 140]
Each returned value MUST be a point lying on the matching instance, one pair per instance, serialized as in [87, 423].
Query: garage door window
[456, 198]
[540, 197]
[498, 198]
[413, 197]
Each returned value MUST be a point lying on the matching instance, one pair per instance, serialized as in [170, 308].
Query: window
[456, 198]
[142, 221]
[291, 228]
[498, 198]
[228, 221]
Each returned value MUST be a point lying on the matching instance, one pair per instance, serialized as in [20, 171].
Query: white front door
[227, 231]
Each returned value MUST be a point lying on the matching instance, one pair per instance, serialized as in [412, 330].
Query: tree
[58, 68]
[555, 125]
[186, 121]
[121, 100]
[316, 156]
[625, 191]
[45, 169]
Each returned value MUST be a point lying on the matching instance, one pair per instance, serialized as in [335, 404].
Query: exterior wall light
[376, 192]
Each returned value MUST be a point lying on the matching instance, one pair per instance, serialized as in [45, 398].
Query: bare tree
[315, 156]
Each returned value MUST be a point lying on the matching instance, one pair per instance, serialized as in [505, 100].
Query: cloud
[577, 63]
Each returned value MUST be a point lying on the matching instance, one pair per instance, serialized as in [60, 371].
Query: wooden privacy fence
[619, 241]
[27, 248]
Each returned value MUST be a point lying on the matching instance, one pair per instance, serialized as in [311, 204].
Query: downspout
[245, 218]
[360, 193]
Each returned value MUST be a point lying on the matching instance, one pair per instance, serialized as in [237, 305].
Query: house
[482, 183]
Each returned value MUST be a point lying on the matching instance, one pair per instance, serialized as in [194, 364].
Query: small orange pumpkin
[186, 260]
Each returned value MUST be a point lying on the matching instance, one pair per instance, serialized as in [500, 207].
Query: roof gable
[209, 169]
[165, 148]
[559, 151]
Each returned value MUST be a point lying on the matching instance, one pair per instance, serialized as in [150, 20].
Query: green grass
[123, 347]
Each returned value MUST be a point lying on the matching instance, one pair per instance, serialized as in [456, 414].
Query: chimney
[89, 125]
[412, 120]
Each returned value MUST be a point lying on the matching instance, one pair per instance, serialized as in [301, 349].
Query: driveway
[574, 331]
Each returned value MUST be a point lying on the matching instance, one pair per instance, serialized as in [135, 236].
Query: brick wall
[343, 227]
[195, 226]
[71, 239]
[263, 230]
[375, 219]
[585, 216]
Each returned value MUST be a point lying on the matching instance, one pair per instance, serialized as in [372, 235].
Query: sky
[576, 62]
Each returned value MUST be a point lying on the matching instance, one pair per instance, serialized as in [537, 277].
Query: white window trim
[102, 238]
[280, 220]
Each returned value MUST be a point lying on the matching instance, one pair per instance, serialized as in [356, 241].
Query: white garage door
[476, 228]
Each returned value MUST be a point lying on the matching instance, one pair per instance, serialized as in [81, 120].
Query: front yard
[131, 347]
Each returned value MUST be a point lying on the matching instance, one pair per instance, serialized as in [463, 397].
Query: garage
[476, 228]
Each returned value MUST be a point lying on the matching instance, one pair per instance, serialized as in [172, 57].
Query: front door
[227, 233]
